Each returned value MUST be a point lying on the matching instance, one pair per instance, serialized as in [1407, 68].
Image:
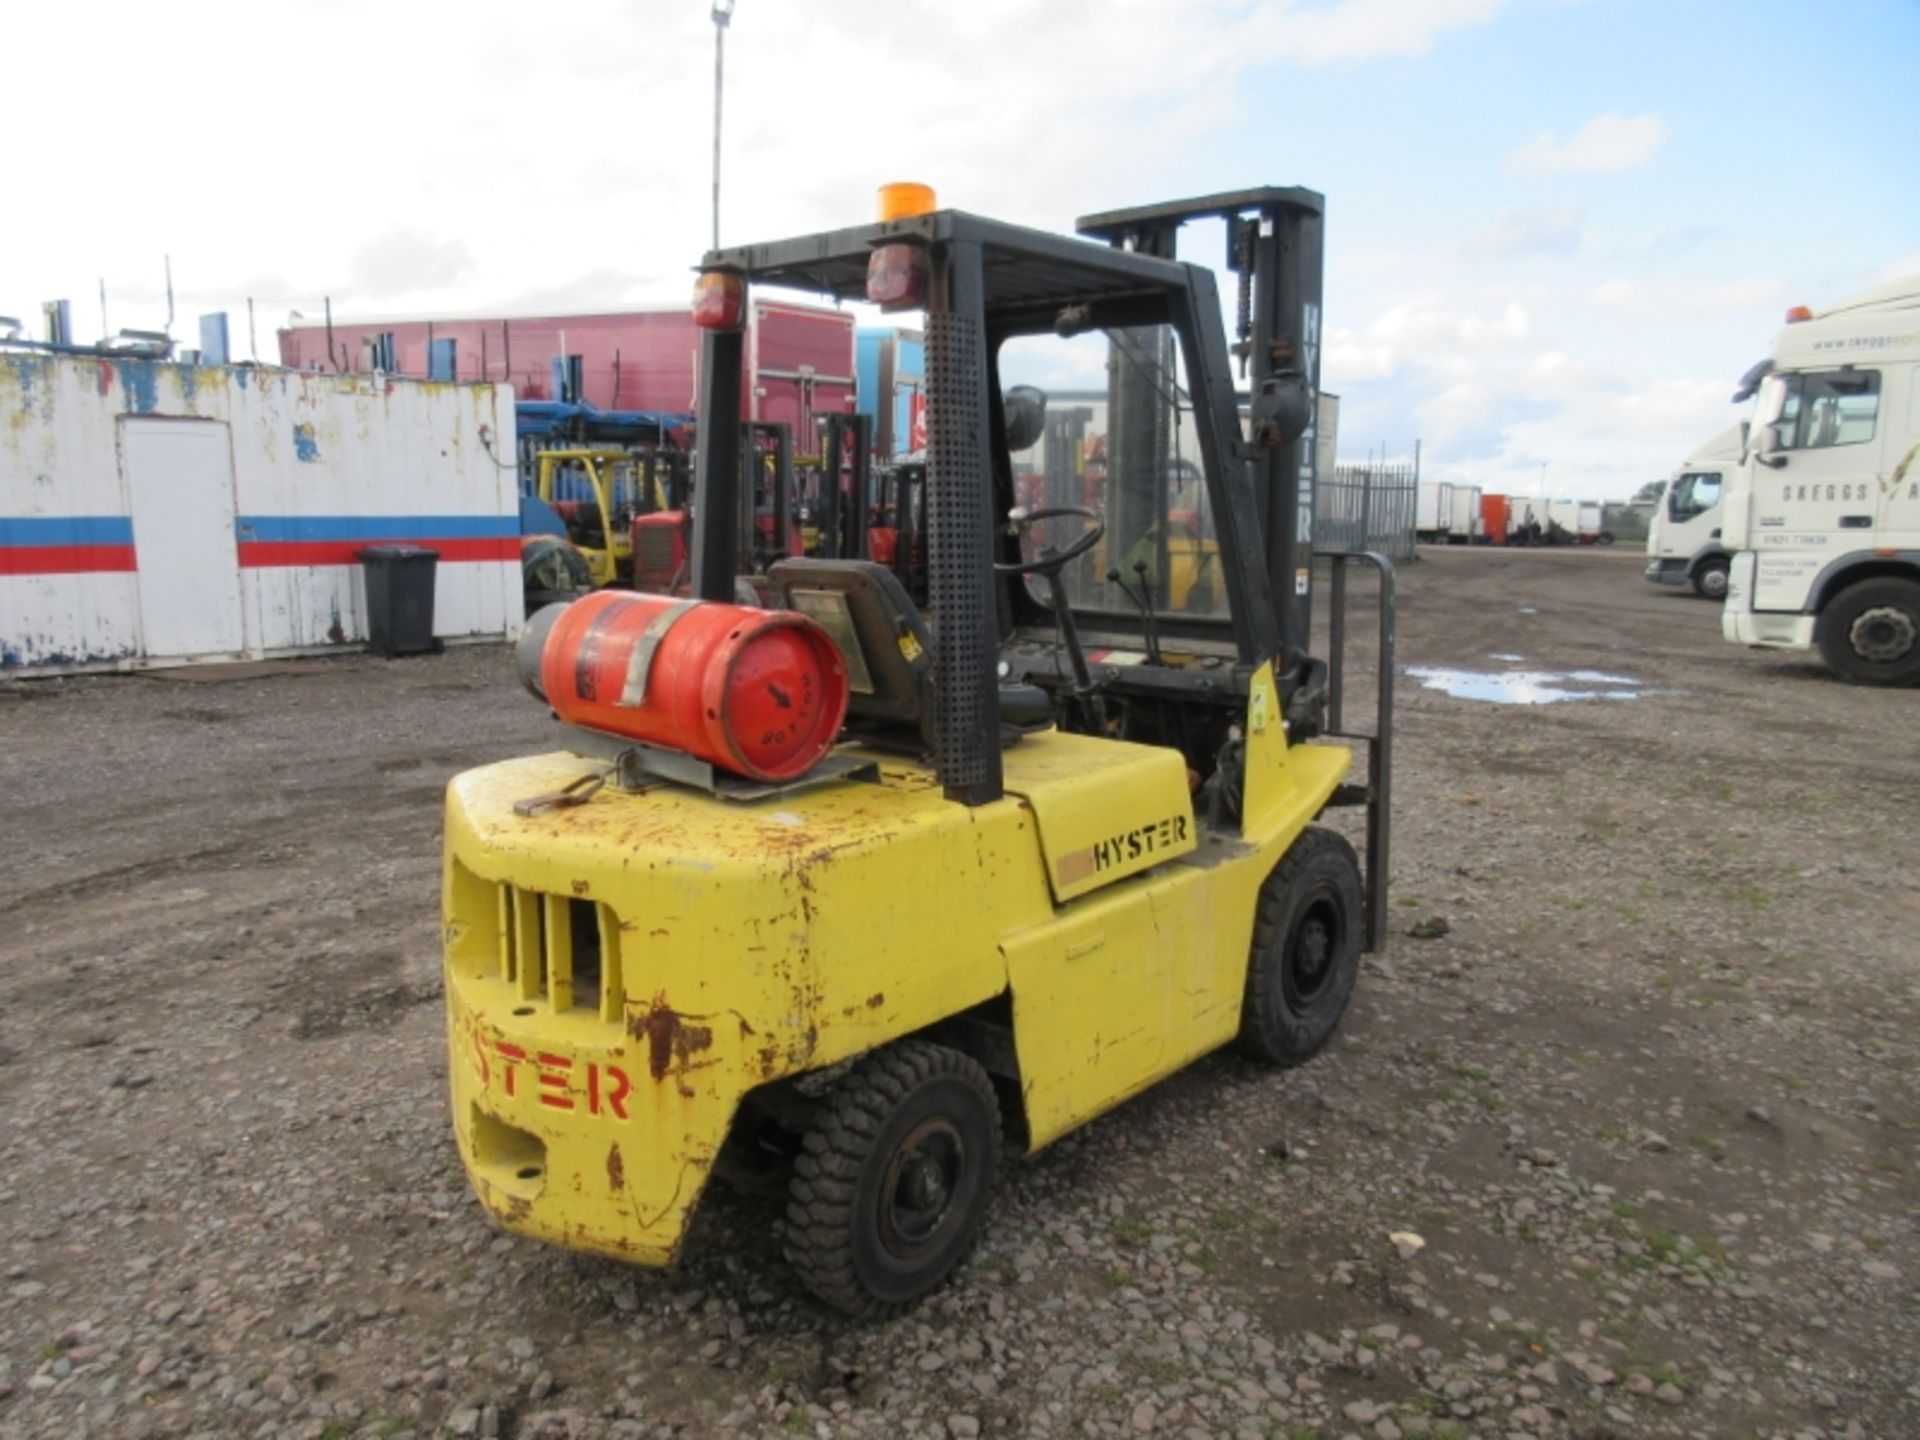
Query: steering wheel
[1050, 561]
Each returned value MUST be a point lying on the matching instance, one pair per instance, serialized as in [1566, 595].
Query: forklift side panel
[1123, 987]
[1106, 809]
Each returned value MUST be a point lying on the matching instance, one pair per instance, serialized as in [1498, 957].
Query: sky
[1557, 230]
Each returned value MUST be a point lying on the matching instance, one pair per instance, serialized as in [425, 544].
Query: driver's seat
[881, 634]
[888, 650]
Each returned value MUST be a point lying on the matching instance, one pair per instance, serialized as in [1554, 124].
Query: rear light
[1797, 314]
[897, 277]
[719, 300]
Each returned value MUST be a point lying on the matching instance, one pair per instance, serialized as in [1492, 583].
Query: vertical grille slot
[561, 949]
[529, 951]
[556, 932]
[613, 994]
[503, 922]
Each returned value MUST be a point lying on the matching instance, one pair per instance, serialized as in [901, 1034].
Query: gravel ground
[1618, 1139]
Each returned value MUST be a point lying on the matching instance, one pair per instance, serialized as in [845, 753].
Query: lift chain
[1243, 231]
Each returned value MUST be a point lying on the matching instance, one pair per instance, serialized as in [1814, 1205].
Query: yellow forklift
[597, 491]
[1063, 845]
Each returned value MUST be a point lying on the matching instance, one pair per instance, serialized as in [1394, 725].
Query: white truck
[1825, 518]
[1684, 541]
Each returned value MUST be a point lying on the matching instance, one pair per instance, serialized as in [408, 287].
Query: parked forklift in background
[598, 492]
[1064, 845]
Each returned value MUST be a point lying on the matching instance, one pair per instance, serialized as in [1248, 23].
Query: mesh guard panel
[960, 555]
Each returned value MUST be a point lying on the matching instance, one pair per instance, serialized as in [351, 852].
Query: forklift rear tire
[1306, 950]
[893, 1178]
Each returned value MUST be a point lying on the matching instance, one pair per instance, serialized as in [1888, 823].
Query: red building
[799, 358]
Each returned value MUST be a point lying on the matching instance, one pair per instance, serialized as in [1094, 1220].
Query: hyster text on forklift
[1825, 517]
[858, 895]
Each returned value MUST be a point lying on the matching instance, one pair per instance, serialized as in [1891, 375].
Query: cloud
[1607, 386]
[1457, 412]
[1365, 29]
[1351, 357]
[1532, 230]
[1439, 335]
[1600, 436]
[1605, 145]
[1430, 324]
[403, 261]
[429, 199]
[1675, 300]
[605, 289]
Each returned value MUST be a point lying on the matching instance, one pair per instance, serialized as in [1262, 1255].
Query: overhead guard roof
[1020, 265]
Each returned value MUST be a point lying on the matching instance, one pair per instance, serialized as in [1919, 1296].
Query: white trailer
[1465, 526]
[1572, 522]
[1684, 541]
[1824, 518]
[1433, 511]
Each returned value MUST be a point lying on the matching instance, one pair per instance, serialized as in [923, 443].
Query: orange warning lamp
[904, 199]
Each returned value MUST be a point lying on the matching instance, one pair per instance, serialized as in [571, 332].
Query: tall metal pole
[722, 15]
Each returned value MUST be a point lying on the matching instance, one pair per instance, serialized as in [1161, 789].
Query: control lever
[1143, 602]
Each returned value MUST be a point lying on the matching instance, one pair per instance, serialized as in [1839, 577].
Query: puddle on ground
[1509, 659]
[1530, 687]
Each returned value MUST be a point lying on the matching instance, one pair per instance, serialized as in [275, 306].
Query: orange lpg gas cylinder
[762, 693]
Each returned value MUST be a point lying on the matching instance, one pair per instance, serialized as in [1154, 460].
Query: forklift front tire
[893, 1178]
[1306, 950]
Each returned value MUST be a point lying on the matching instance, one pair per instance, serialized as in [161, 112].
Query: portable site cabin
[153, 512]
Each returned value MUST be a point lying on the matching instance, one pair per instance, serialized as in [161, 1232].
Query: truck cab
[1825, 519]
[1684, 541]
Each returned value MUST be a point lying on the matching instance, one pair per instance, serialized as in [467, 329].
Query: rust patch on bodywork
[670, 1040]
[616, 1168]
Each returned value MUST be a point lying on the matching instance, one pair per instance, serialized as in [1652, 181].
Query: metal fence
[1367, 507]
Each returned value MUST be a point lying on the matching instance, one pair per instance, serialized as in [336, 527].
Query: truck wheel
[1605, 537]
[1710, 580]
[1306, 950]
[1869, 633]
[893, 1178]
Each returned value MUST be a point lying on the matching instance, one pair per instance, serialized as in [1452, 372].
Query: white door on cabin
[180, 485]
